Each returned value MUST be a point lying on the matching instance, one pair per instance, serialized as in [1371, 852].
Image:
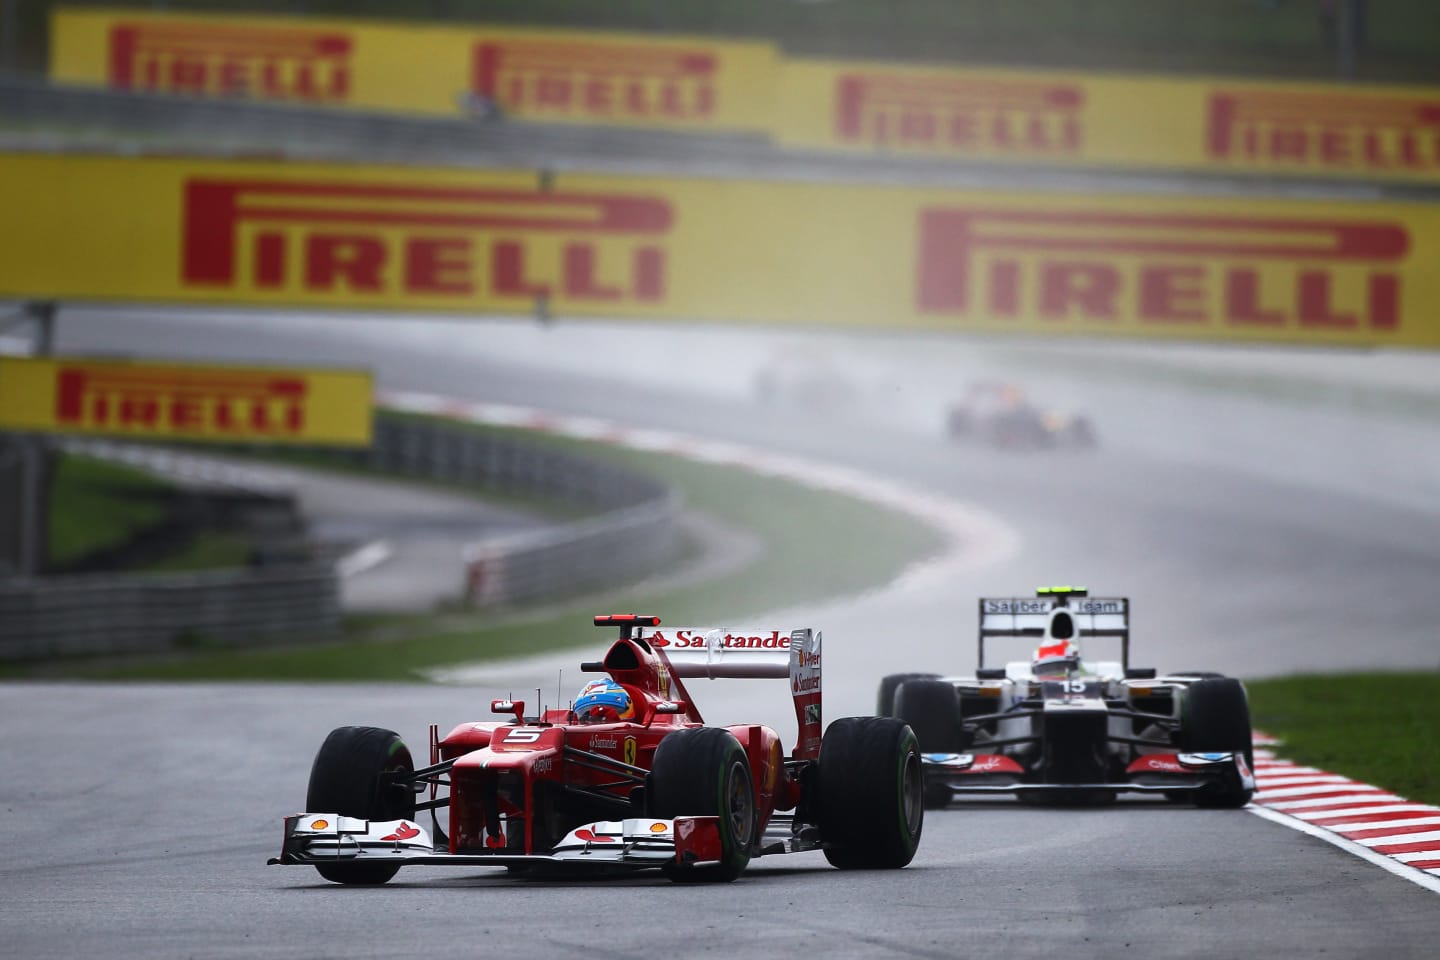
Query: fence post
[35, 464]
[1347, 38]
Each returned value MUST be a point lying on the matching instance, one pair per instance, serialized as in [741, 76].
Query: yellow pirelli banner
[155, 400]
[145, 229]
[673, 82]
[1132, 121]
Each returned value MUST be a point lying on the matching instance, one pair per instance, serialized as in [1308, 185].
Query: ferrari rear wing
[714, 653]
[1032, 616]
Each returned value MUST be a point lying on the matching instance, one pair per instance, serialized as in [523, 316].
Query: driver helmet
[603, 701]
[1055, 658]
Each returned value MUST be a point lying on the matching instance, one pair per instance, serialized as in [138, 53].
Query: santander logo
[590, 836]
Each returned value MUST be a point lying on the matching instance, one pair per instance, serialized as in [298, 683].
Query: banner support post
[35, 461]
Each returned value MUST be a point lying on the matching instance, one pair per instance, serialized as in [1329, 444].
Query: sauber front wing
[324, 838]
[1162, 773]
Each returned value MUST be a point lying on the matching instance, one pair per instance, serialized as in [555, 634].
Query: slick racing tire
[703, 772]
[872, 805]
[885, 699]
[932, 709]
[1215, 718]
[355, 775]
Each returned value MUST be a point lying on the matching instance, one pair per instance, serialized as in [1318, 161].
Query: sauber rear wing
[714, 653]
[1030, 617]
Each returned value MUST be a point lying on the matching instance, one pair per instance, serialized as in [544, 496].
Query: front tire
[703, 772]
[872, 807]
[1215, 718]
[885, 699]
[354, 775]
[932, 709]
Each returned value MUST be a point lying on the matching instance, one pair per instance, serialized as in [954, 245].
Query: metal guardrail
[74, 119]
[54, 617]
[165, 123]
[635, 532]
[619, 547]
[632, 531]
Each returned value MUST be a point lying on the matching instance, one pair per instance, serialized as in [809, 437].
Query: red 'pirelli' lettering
[1321, 275]
[229, 60]
[1329, 131]
[434, 242]
[959, 115]
[180, 402]
[597, 79]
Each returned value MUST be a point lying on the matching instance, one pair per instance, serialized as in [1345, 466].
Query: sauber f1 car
[646, 784]
[1072, 730]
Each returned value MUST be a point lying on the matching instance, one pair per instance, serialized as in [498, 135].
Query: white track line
[1295, 804]
[1402, 870]
[365, 557]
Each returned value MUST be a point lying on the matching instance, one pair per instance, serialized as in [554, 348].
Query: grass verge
[817, 545]
[96, 505]
[1376, 727]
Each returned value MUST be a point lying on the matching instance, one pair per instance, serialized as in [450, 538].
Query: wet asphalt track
[137, 818]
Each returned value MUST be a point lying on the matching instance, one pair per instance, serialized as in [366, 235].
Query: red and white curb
[1389, 831]
[974, 537]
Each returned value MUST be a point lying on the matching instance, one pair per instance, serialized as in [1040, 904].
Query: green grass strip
[96, 505]
[1377, 727]
[817, 546]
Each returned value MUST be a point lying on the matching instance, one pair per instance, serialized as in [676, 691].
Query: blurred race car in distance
[1000, 414]
[1070, 729]
[807, 377]
[645, 785]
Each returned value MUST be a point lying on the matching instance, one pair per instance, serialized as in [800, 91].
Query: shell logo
[319, 824]
[658, 828]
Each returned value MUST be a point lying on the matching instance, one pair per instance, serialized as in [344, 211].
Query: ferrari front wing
[326, 838]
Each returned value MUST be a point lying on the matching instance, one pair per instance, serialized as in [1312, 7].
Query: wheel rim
[740, 803]
[912, 792]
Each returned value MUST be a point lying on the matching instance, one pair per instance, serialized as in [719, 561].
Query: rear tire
[703, 772]
[932, 709]
[872, 807]
[1216, 719]
[885, 699]
[354, 775]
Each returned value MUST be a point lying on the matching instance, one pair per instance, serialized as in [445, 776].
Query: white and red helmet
[1058, 655]
[1055, 658]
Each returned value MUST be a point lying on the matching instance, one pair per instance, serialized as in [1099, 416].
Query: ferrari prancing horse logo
[629, 750]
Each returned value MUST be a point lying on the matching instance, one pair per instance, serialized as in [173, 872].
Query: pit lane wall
[677, 250]
[1063, 119]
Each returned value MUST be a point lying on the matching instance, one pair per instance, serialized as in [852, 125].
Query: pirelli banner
[696, 84]
[166, 401]
[1137, 122]
[474, 242]
[550, 75]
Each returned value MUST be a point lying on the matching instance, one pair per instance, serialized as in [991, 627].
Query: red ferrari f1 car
[628, 777]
